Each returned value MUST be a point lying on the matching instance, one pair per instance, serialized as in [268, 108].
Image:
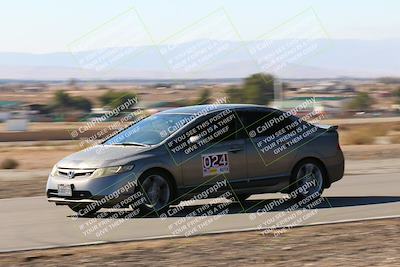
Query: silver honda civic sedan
[202, 150]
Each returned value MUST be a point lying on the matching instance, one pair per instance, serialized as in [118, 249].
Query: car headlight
[108, 171]
[54, 170]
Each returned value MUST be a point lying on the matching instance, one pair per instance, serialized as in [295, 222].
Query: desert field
[92, 92]
[346, 244]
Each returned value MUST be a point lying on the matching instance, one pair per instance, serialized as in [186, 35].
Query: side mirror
[194, 139]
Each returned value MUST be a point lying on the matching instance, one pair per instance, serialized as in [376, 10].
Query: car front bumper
[89, 190]
[66, 201]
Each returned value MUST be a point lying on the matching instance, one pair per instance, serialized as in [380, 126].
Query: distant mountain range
[332, 58]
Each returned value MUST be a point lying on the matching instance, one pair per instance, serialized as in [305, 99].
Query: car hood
[102, 156]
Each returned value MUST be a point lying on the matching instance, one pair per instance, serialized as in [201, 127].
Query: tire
[157, 190]
[308, 180]
[79, 208]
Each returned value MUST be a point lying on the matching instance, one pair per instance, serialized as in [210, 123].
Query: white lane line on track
[201, 234]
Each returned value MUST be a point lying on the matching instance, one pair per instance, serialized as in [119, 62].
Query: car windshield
[151, 130]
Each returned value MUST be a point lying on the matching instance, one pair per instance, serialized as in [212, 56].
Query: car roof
[205, 109]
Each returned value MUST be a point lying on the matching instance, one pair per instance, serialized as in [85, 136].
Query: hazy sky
[50, 25]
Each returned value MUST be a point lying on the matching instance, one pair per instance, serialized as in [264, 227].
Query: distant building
[328, 106]
[179, 86]
[6, 107]
[32, 88]
[328, 88]
[17, 121]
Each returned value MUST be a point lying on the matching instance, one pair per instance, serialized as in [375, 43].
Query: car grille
[65, 172]
[76, 194]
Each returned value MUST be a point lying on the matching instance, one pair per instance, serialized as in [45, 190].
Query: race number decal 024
[216, 163]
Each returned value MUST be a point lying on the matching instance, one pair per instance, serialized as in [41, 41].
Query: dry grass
[378, 129]
[396, 127]
[363, 135]
[358, 136]
[36, 157]
[9, 164]
[395, 139]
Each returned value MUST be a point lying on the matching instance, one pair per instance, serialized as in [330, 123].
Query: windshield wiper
[130, 144]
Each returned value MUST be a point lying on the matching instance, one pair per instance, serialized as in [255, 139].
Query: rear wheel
[157, 191]
[308, 180]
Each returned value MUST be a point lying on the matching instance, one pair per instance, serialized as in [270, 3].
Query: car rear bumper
[335, 168]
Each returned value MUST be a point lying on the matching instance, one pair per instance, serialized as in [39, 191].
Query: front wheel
[308, 180]
[157, 191]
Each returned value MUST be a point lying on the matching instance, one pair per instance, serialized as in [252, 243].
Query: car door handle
[235, 149]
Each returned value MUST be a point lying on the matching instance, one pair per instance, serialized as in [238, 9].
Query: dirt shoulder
[371, 152]
[368, 243]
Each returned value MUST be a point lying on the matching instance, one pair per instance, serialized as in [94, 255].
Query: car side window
[261, 123]
[280, 122]
[250, 120]
[218, 127]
